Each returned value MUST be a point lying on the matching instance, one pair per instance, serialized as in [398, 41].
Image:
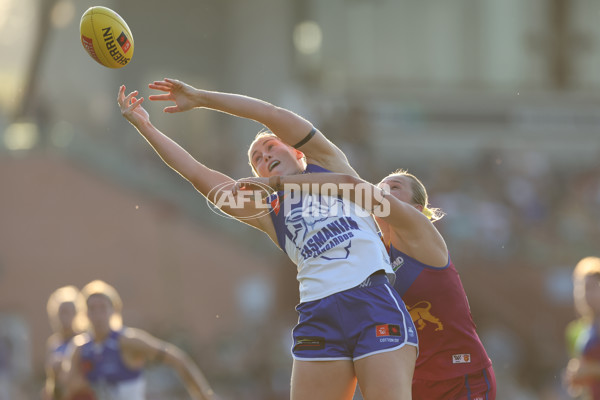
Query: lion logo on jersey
[420, 315]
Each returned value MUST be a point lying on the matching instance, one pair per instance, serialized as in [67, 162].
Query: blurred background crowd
[494, 104]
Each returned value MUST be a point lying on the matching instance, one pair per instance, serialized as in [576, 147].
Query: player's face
[269, 156]
[400, 187]
[99, 311]
[66, 314]
[592, 293]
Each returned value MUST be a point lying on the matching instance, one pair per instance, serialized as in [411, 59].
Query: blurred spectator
[583, 335]
[66, 319]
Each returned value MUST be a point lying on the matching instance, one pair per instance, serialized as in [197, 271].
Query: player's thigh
[388, 375]
[323, 380]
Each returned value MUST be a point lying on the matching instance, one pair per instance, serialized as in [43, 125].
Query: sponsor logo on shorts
[309, 343]
[387, 330]
[461, 359]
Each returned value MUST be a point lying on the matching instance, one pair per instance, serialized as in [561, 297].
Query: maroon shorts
[476, 386]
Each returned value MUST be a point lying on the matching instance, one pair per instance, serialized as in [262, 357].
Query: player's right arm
[290, 127]
[204, 179]
[137, 344]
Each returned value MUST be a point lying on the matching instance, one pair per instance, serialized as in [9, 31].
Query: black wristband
[306, 138]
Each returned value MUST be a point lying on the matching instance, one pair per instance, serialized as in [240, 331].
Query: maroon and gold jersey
[448, 342]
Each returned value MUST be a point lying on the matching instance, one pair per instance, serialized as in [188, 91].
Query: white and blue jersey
[109, 377]
[333, 246]
[347, 310]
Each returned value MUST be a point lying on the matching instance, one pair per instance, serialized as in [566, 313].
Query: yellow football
[106, 37]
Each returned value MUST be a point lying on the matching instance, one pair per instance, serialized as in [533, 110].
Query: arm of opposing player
[290, 127]
[406, 221]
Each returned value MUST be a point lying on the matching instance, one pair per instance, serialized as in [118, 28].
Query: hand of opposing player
[131, 107]
[183, 95]
[253, 183]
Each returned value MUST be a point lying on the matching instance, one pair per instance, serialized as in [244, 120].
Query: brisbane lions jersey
[448, 343]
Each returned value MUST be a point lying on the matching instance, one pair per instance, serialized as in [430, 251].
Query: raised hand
[131, 107]
[253, 183]
[183, 95]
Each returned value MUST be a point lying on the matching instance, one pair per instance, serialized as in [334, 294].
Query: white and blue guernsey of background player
[347, 310]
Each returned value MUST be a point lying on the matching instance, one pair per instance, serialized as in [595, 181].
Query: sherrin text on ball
[106, 37]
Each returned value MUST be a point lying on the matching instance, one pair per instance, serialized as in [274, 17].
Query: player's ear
[299, 155]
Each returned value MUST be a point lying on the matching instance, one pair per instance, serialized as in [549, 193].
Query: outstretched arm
[364, 194]
[406, 222]
[207, 181]
[138, 344]
[291, 128]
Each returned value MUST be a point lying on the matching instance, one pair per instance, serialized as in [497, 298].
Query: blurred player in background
[108, 362]
[583, 335]
[352, 324]
[452, 362]
[66, 322]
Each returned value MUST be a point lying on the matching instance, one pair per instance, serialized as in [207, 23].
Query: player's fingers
[165, 96]
[135, 102]
[173, 82]
[165, 87]
[121, 95]
[171, 109]
[127, 99]
[234, 189]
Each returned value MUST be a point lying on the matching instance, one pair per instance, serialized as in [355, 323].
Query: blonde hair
[63, 295]
[419, 195]
[99, 287]
[587, 266]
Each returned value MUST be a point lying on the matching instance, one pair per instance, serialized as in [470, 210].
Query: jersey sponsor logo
[275, 203]
[461, 359]
[397, 263]
[387, 330]
[421, 315]
[309, 343]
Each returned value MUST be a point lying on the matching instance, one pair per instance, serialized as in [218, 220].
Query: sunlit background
[494, 104]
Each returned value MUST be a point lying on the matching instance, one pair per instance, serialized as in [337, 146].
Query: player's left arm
[140, 345]
[288, 126]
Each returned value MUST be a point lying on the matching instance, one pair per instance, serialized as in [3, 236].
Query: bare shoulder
[319, 150]
[134, 334]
